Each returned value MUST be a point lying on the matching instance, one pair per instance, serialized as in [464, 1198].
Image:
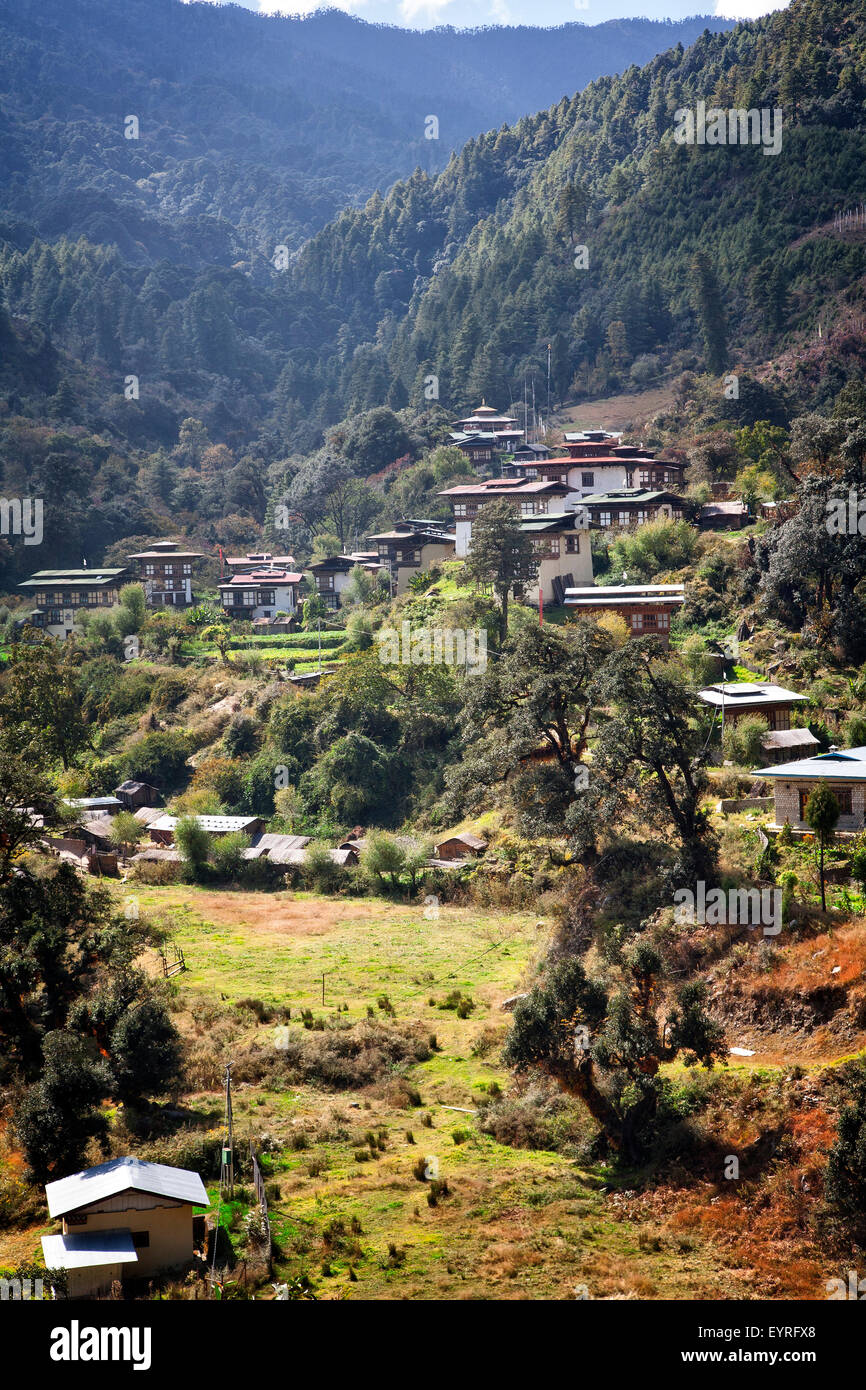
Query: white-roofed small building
[125, 1215]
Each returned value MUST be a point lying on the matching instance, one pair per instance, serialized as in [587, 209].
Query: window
[664, 622]
[604, 518]
[248, 598]
[93, 596]
[572, 545]
[148, 569]
[460, 510]
[637, 622]
[417, 555]
[842, 795]
[779, 719]
[187, 569]
[141, 1239]
[649, 620]
[75, 1218]
[644, 477]
[623, 518]
[587, 480]
[267, 596]
[228, 598]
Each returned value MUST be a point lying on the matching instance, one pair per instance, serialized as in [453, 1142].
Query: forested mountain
[697, 258]
[253, 130]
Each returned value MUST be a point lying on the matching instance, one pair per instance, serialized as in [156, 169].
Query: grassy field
[517, 1223]
[350, 1207]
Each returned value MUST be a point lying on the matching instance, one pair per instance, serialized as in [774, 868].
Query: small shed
[136, 794]
[460, 846]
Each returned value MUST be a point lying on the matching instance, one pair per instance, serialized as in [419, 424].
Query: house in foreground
[843, 770]
[125, 1218]
[646, 609]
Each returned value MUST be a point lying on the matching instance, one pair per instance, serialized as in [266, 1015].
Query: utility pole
[227, 1166]
[319, 626]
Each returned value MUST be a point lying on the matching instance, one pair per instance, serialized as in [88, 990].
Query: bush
[742, 741]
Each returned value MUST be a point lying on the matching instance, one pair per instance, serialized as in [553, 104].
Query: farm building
[124, 1218]
[646, 609]
[162, 830]
[459, 846]
[134, 795]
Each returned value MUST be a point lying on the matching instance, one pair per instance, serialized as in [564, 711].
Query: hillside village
[433, 704]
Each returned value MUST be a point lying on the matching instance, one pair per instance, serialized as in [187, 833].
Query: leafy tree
[145, 1052]
[125, 831]
[605, 1045]
[220, 635]
[194, 843]
[822, 816]
[649, 748]
[59, 1115]
[743, 741]
[25, 792]
[315, 610]
[40, 700]
[502, 556]
[133, 604]
[384, 857]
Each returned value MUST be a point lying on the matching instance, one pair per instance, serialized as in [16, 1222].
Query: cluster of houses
[593, 481]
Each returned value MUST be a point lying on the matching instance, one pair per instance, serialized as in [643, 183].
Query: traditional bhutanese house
[530, 499]
[736, 699]
[97, 833]
[134, 795]
[632, 506]
[492, 431]
[125, 1218]
[842, 770]
[460, 846]
[564, 556]
[162, 830]
[410, 548]
[646, 608]
[279, 849]
[531, 453]
[261, 593]
[60, 595]
[331, 577]
[146, 815]
[780, 745]
[166, 572]
[729, 515]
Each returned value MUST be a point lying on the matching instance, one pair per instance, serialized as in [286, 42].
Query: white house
[261, 593]
[123, 1218]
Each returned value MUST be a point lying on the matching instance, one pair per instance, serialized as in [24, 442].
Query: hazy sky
[426, 14]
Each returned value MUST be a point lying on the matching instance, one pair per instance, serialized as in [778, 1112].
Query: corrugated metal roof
[107, 1179]
[843, 765]
[88, 1250]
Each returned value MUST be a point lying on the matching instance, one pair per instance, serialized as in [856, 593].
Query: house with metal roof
[60, 595]
[120, 1219]
[646, 609]
[162, 830]
[843, 770]
[734, 700]
[411, 547]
